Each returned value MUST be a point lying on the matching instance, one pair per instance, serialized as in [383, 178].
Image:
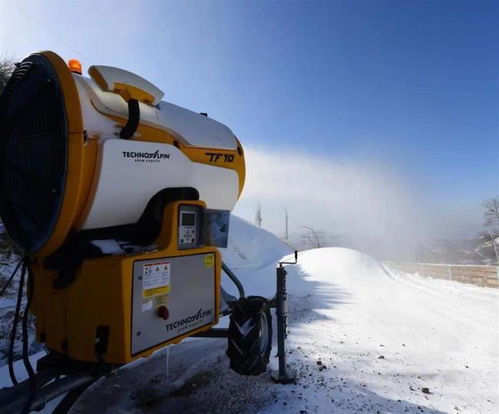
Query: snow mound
[252, 247]
[339, 264]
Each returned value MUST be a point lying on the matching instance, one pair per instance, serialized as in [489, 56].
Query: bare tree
[491, 224]
[314, 239]
[6, 69]
[491, 213]
[490, 240]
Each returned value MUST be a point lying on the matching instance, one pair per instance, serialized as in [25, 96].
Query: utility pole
[258, 216]
[286, 235]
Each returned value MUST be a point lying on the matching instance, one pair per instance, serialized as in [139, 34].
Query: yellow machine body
[92, 178]
[68, 319]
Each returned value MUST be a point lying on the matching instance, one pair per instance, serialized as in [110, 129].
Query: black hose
[11, 277]
[27, 363]
[234, 279]
[14, 326]
[67, 384]
[133, 120]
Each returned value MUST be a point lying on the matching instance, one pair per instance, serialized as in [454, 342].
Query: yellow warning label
[155, 291]
[156, 278]
[209, 260]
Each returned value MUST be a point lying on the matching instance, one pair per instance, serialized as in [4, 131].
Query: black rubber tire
[250, 336]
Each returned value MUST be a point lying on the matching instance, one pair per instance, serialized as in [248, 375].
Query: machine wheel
[250, 336]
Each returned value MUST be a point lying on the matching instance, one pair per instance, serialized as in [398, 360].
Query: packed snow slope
[362, 339]
[252, 247]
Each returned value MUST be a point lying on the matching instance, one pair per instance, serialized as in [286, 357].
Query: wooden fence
[475, 274]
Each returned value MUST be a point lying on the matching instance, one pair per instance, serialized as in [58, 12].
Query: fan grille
[33, 152]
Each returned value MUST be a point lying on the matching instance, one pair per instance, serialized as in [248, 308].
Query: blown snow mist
[360, 202]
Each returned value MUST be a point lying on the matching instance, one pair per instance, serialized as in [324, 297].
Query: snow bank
[252, 247]
[252, 254]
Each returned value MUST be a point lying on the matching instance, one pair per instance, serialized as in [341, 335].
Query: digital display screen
[188, 219]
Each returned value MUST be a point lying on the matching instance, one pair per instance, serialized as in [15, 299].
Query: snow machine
[119, 202]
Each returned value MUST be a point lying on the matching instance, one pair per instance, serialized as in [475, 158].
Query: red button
[163, 312]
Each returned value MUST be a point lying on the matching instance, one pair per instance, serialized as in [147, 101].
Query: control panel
[189, 227]
[172, 296]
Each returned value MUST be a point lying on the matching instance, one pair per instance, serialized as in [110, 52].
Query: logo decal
[218, 157]
[146, 156]
[190, 321]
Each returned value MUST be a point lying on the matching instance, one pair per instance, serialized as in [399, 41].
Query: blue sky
[410, 85]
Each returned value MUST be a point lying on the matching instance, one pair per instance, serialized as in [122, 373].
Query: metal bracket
[284, 375]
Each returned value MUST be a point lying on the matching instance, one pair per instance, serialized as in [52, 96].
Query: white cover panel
[195, 129]
[198, 130]
[112, 76]
[126, 184]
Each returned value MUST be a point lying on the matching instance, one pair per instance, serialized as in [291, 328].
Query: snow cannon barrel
[81, 153]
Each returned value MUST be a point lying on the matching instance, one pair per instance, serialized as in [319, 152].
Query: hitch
[284, 375]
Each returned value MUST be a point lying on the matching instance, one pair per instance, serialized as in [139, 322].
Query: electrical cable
[62, 39]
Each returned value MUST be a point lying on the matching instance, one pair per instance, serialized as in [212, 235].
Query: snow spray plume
[357, 204]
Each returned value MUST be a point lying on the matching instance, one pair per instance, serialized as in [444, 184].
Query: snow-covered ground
[362, 338]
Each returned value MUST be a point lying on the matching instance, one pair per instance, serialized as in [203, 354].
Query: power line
[49, 31]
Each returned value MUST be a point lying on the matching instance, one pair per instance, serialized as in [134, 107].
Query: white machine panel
[174, 284]
[126, 183]
[194, 129]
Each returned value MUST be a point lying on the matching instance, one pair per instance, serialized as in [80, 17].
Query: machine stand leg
[284, 375]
